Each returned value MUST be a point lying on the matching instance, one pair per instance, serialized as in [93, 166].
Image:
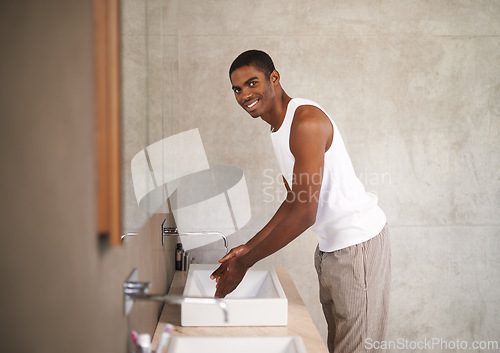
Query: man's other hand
[228, 276]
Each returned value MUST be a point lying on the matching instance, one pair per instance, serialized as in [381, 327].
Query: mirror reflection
[148, 81]
[170, 162]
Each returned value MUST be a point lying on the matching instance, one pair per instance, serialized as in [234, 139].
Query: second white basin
[290, 344]
[259, 300]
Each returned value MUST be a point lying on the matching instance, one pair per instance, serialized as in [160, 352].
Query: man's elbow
[307, 218]
[310, 219]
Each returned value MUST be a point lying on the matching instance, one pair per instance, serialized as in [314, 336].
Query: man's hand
[235, 252]
[229, 275]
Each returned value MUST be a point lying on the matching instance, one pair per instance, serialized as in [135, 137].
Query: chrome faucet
[169, 231]
[133, 291]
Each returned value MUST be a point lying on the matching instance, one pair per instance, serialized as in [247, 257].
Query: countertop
[299, 320]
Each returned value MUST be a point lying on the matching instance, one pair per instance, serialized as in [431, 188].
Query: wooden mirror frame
[108, 116]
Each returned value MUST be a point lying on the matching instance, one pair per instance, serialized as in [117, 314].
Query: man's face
[252, 90]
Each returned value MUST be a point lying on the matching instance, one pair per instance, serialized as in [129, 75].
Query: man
[353, 256]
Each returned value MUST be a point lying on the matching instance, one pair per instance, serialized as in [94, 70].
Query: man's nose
[246, 94]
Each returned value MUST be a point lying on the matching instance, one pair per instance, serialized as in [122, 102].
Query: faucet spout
[133, 291]
[179, 299]
[169, 231]
[209, 232]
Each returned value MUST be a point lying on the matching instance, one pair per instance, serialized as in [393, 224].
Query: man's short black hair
[261, 60]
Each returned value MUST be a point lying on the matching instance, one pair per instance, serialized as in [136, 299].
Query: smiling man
[352, 259]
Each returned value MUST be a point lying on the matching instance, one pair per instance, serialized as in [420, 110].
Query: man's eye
[236, 90]
[253, 83]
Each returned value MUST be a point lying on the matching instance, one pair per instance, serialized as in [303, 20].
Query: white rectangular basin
[259, 300]
[288, 344]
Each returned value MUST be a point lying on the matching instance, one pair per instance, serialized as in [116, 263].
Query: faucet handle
[166, 231]
[132, 287]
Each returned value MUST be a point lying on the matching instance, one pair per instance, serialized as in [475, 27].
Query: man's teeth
[251, 105]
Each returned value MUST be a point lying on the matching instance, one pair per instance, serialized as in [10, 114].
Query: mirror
[166, 150]
[148, 45]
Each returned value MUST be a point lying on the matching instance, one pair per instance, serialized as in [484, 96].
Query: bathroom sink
[290, 344]
[259, 300]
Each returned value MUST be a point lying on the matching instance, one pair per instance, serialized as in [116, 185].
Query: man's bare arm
[280, 214]
[310, 137]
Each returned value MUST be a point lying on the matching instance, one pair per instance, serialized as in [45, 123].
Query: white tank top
[347, 214]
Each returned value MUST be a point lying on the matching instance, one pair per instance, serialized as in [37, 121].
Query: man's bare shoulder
[310, 126]
[310, 117]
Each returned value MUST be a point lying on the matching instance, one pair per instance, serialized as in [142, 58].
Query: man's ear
[274, 78]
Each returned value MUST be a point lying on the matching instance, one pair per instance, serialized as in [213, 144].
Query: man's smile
[251, 104]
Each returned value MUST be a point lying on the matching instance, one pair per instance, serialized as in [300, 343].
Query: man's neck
[277, 115]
